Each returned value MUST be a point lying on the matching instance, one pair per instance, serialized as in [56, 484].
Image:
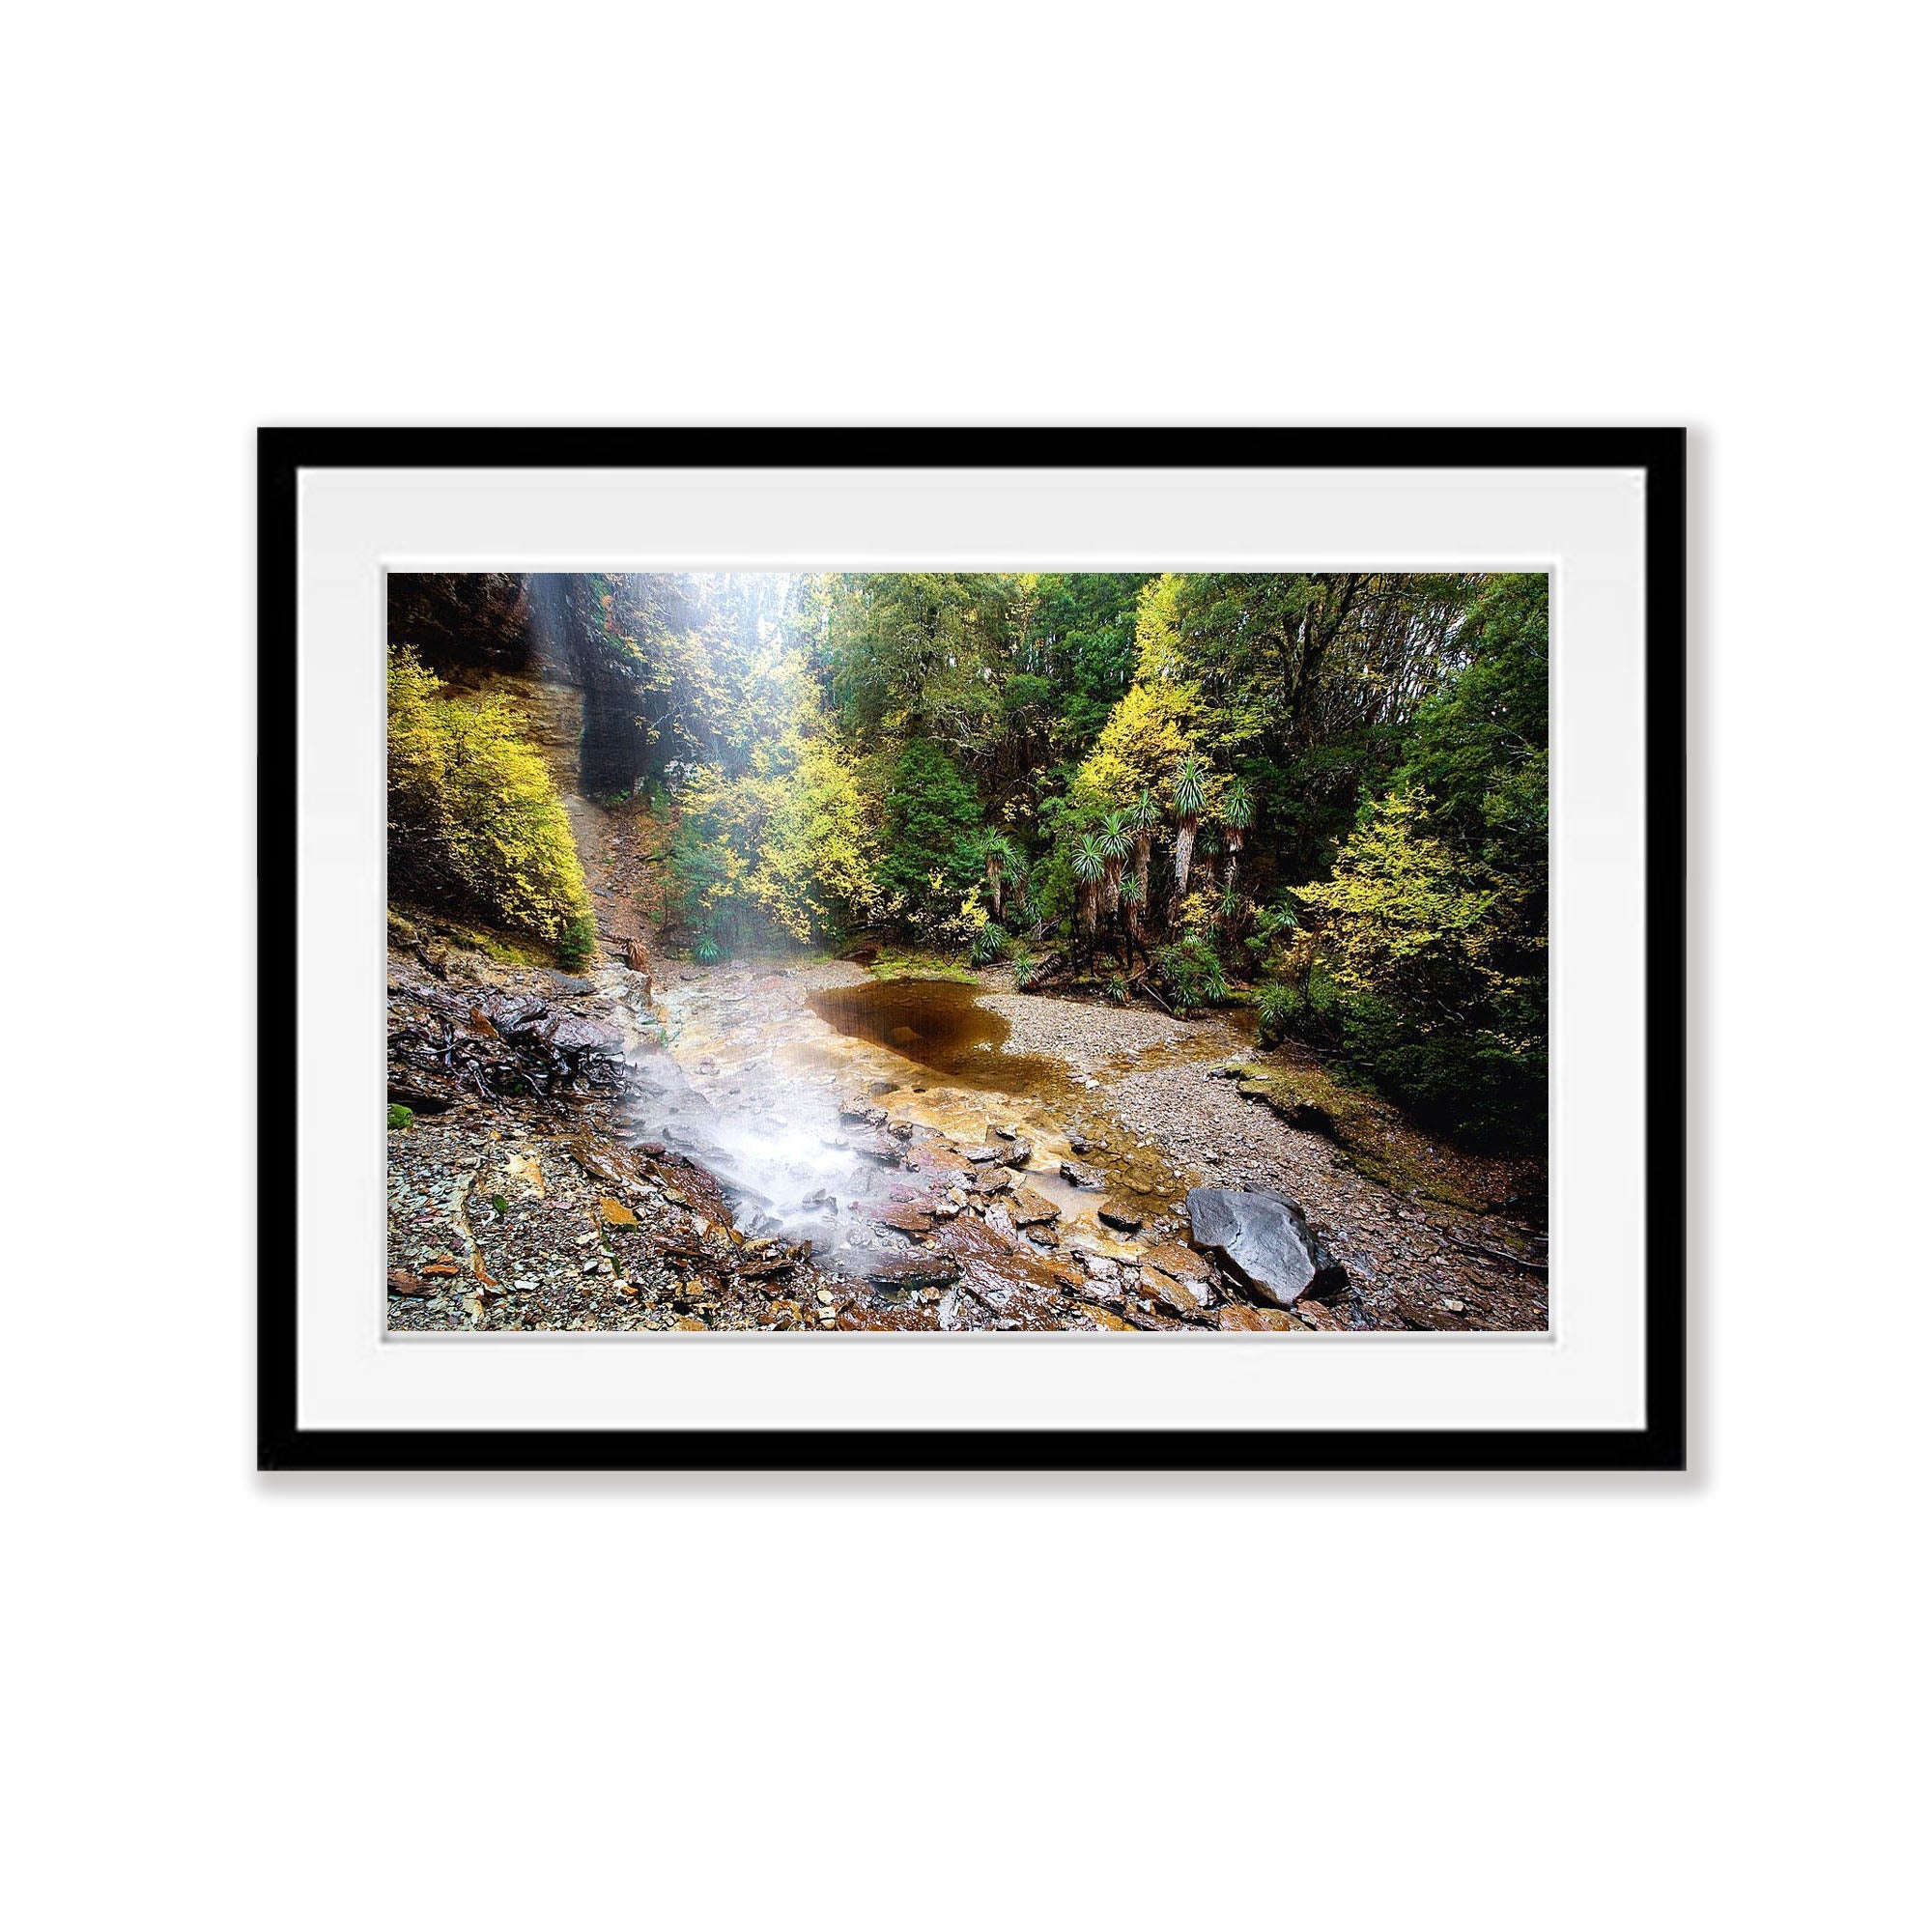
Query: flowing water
[758, 1064]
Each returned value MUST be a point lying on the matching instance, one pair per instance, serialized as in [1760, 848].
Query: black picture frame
[1659, 1444]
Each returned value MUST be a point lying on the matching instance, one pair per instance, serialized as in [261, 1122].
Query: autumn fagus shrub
[475, 824]
[1438, 960]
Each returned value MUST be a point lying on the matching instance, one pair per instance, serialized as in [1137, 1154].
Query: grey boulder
[1264, 1241]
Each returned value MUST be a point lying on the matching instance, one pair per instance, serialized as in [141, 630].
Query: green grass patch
[399, 1117]
[892, 964]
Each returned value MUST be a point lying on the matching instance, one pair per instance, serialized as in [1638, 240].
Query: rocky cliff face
[542, 641]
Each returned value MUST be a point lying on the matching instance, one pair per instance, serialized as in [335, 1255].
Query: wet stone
[1264, 1241]
[914, 1271]
[1031, 1209]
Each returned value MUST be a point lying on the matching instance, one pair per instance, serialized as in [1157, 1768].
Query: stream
[801, 1089]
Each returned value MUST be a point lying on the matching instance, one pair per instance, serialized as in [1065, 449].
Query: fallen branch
[1494, 1254]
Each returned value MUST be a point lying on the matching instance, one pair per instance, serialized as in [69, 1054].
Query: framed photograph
[1126, 949]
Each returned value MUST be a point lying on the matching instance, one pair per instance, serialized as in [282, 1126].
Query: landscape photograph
[1124, 953]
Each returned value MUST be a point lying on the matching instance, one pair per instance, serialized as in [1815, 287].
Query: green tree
[929, 857]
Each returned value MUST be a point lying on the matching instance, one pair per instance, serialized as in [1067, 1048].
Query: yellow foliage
[474, 818]
[789, 839]
[1406, 917]
[1142, 744]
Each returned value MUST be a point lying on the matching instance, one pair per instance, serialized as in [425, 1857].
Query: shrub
[1308, 1005]
[399, 1117]
[474, 819]
[988, 942]
[1275, 1011]
[1438, 960]
[1482, 1083]
[579, 945]
[1191, 971]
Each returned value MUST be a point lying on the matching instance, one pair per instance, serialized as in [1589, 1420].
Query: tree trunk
[1183, 864]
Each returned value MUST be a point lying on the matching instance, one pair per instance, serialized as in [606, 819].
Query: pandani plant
[1115, 840]
[1000, 856]
[1190, 801]
[1142, 816]
[1090, 868]
[1133, 895]
[1238, 815]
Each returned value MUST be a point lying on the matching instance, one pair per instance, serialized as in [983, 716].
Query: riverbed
[804, 1087]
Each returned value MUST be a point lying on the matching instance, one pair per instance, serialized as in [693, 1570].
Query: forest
[1321, 796]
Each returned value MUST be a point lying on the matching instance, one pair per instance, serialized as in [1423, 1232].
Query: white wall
[1400, 1703]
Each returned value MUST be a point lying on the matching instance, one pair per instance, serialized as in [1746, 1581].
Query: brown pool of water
[939, 1024]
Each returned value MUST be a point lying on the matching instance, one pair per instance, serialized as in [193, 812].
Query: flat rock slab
[1169, 1293]
[1264, 1241]
[1316, 1316]
[1184, 1264]
[937, 1157]
[1122, 1214]
[1237, 1319]
[1080, 1176]
[916, 1271]
[1032, 1210]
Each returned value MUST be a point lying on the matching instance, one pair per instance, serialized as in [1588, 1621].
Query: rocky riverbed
[711, 1152]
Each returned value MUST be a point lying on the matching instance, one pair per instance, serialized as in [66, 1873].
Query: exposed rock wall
[543, 642]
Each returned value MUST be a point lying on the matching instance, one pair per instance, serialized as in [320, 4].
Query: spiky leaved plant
[1090, 868]
[1238, 813]
[1000, 855]
[1142, 816]
[1190, 801]
[1133, 895]
[1114, 841]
